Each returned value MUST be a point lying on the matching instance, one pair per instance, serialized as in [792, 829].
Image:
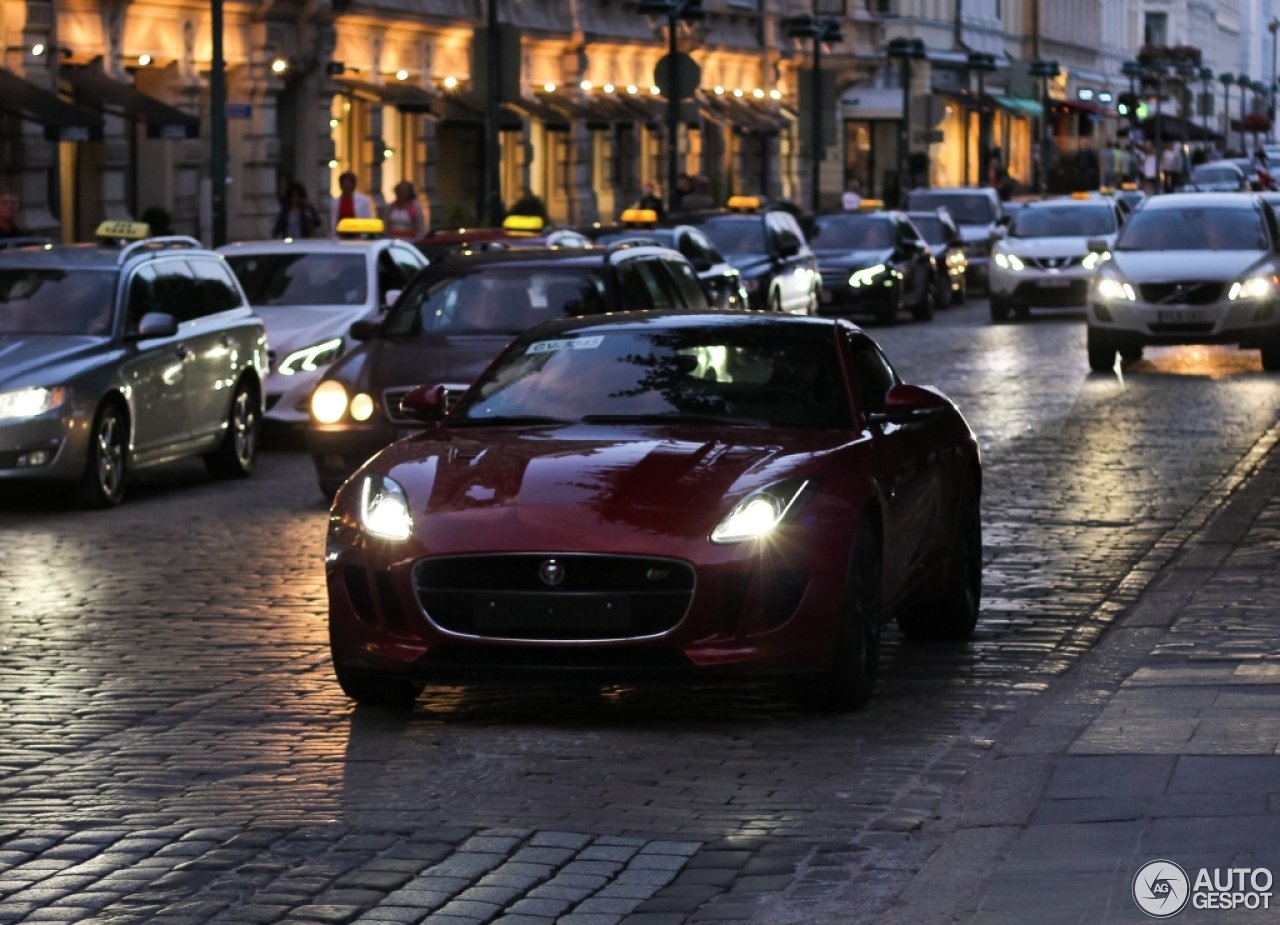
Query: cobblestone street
[176, 750]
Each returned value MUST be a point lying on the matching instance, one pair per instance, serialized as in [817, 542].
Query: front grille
[505, 596]
[560, 658]
[391, 402]
[1070, 296]
[1053, 263]
[1181, 293]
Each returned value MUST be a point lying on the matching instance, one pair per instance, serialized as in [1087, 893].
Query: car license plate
[1054, 282]
[1180, 317]
[495, 611]
[826, 295]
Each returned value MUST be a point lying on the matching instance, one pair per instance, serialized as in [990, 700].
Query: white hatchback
[309, 293]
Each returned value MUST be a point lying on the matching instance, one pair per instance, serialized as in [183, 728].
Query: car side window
[872, 373]
[215, 288]
[686, 281]
[691, 247]
[408, 261]
[142, 298]
[175, 291]
[389, 276]
[906, 231]
[644, 286]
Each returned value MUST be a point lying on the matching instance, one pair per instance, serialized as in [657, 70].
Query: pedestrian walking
[1170, 167]
[651, 200]
[1086, 167]
[9, 217]
[851, 198]
[349, 204]
[404, 215]
[297, 218]
[1150, 169]
[699, 195]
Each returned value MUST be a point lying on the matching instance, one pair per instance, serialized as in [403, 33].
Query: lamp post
[1206, 75]
[492, 193]
[1271, 89]
[905, 50]
[675, 11]
[1226, 80]
[1244, 83]
[984, 64]
[1044, 70]
[827, 31]
[218, 129]
[1157, 71]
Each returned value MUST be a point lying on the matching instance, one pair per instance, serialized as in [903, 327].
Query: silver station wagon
[125, 354]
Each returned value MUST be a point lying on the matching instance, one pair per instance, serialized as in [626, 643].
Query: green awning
[1019, 106]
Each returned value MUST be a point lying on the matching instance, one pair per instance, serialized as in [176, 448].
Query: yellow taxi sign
[1079, 195]
[871, 205]
[1129, 187]
[1106, 190]
[123, 231]
[355, 226]
[745, 203]
[639, 217]
[523, 224]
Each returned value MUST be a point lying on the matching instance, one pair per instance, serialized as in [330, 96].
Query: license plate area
[1181, 316]
[511, 611]
[1054, 282]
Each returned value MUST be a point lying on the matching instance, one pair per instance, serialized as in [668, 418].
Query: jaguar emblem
[551, 572]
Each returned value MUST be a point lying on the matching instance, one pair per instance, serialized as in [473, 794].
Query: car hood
[971, 233]
[1050, 247]
[750, 264]
[381, 364]
[1155, 266]
[852, 260]
[292, 327]
[28, 359]
[601, 471]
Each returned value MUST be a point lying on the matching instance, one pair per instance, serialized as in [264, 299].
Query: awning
[598, 111]
[405, 97]
[456, 109]
[1093, 109]
[162, 120]
[1019, 106]
[749, 115]
[1175, 128]
[61, 121]
[545, 113]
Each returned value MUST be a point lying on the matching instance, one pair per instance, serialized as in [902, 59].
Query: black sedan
[456, 316]
[719, 278]
[874, 263]
[950, 261]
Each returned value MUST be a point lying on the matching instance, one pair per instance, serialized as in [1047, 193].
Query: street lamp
[1226, 80]
[984, 64]
[1206, 75]
[674, 11]
[827, 31]
[905, 50]
[1271, 90]
[1157, 71]
[1044, 70]
[218, 129]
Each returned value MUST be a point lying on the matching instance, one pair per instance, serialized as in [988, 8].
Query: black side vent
[390, 599]
[357, 581]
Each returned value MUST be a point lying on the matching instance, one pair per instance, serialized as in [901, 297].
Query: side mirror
[906, 403]
[788, 247]
[389, 298]
[701, 264]
[155, 325]
[426, 403]
[364, 330]
[1097, 246]
[1005, 220]
[998, 234]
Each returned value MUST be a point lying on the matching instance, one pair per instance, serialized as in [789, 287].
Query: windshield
[495, 299]
[737, 237]
[1214, 175]
[57, 301]
[1064, 222]
[853, 233]
[302, 279]
[1194, 229]
[930, 228]
[757, 374]
[965, 208]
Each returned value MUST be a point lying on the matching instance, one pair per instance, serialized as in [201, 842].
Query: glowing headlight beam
[866, 277]
[384, 509]
[309, 359]
[29, 403]
[756, 516]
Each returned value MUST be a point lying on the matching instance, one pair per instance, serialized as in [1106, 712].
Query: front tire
[1102, 351]
[237, 454]
[855, 661]
[1131, 354]
[999, 309]
[943, 296]
[775, 302]
[954, 613]
[923, 310]
[102, 485]
[376, 689]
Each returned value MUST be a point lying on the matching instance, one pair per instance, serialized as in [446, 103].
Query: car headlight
[1258, 287]
[28, 403]
[867, 276]
[384, 508]
[1109, 288]
[308, 359]
[956, 258]
[329, 402]
[756, 516]
[1009, 262]
[1093, 258]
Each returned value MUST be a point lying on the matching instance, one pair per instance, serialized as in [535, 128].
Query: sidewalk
[1164, 743]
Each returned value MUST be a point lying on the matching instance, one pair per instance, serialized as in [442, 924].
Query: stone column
[430, 190]
[28, 162]
[580, 191]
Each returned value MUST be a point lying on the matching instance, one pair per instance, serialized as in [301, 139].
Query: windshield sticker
[577, 343]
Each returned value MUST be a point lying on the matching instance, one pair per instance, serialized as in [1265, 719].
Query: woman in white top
[404, 215]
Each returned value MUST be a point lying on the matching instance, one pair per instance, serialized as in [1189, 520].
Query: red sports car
[660, 494]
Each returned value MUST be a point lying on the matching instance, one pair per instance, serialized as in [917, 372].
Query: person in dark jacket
[297, 218]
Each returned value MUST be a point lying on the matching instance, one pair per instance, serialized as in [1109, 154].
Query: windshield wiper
[508, 420]
[672, 418]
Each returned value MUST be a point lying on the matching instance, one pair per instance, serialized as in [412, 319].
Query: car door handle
[182, 351]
